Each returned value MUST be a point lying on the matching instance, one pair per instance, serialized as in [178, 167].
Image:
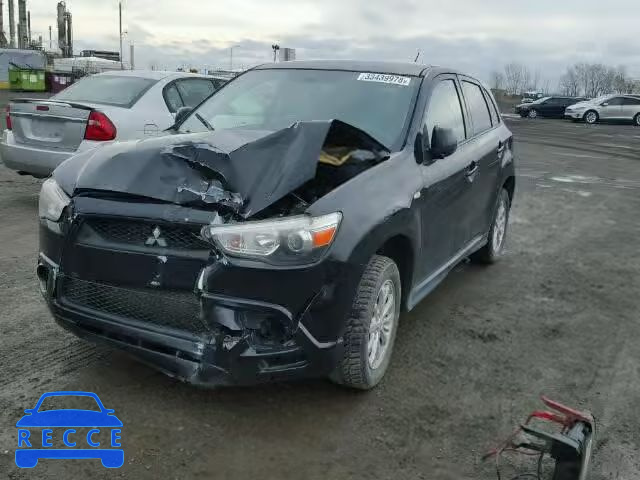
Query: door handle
[501, 147]
[471, 169]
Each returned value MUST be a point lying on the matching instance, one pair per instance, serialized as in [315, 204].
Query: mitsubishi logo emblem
[155, 238]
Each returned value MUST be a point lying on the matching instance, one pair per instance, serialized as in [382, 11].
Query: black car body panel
[209, 318]
[548, 106]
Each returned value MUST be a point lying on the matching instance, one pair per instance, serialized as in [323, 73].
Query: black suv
[547, 107]
[281, 226]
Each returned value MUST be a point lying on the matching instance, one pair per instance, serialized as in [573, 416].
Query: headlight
[52, 201]
[288, 241]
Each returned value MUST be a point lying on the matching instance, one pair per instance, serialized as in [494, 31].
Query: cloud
[474, 36]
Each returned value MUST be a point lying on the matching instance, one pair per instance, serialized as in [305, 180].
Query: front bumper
[251, 325]
[573, 115]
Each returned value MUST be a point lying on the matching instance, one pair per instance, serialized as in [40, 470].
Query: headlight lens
[52, 200]
[289, 241]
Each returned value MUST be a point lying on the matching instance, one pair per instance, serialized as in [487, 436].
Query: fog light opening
[43, 278]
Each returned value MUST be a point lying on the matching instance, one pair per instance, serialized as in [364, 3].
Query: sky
[476, 36]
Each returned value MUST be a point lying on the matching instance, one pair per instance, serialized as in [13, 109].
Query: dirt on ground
[559, 315]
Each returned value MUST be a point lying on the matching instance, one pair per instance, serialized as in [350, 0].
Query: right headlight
[52, 200]
[295, 240]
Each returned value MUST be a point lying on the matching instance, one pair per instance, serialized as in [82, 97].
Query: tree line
[582, 79]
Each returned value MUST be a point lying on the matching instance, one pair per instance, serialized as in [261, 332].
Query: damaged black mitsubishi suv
[279, 228]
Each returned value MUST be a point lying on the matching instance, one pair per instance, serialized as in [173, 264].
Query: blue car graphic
[68, 418]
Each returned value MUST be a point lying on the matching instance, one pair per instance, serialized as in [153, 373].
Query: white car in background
[111, 106]
[607, 107]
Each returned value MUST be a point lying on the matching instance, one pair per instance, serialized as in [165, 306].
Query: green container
[26, 80]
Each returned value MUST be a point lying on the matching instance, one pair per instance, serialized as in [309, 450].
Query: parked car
[118, 105]
[607, 107]
[547, 107]
[283, 225]
[531, 96]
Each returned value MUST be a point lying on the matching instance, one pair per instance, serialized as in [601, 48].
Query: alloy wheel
[381, 326]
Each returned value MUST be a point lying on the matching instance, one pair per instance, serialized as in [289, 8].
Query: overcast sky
[474, 35]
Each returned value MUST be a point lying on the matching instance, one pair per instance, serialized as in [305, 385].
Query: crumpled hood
[244, 170]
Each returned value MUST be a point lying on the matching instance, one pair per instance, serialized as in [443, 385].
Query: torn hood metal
[244, 170]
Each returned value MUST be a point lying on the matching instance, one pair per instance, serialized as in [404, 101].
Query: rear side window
[493, 111]
[172, 98]
[122, 91]
[195, 90]
[631, 101]
[477, 107]
[445, 109]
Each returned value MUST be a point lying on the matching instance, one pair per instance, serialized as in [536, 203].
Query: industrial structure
[65, 31]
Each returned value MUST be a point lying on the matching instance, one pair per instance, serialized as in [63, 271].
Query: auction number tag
[384, 78]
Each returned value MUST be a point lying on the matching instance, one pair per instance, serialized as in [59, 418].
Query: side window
[616, 101]
[217, 83]
[477, 106]
[493, 111]
[630, 101]
[172, 98]
[445, 109]
[194, 90]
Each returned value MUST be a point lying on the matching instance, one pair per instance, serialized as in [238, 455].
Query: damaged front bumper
[194, 316]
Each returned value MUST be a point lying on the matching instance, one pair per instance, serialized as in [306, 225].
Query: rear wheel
[494, 248]
[591, 117]
[533, 113]
[371, 327]
[636, 120]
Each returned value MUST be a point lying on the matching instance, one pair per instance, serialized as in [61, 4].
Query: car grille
[145, 234]
[169, 308]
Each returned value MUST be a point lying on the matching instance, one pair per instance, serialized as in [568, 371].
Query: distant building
[114, 56]
[287, 54]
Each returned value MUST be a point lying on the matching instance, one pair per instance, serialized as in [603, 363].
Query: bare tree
[570, 83]
[497, 80]
[513, 73]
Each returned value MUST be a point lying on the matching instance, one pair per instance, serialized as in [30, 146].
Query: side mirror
[605, 104]
[443, 142]
[182, 114]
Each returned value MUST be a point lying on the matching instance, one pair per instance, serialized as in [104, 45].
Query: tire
[494, 248]
[590, 117]
[360, 368]
[533, 113]
[636, 120]
[523, 114]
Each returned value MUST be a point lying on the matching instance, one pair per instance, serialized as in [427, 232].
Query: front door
[444, 198]
[612, 109]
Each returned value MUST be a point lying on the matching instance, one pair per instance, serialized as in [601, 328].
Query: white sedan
[111, 106]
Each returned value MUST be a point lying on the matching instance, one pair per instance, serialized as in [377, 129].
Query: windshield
[120, 91]
[542, 100]
[275, 99]
[65, 402]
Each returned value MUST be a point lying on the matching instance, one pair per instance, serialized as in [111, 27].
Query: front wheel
[371, 326]
[494, 248]
[533, 113]
[591, 117]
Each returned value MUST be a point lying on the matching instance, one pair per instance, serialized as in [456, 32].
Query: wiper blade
[204, 122]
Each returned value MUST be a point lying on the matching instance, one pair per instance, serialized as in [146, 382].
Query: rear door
[630, 107]
[487, 147]
[444, 196]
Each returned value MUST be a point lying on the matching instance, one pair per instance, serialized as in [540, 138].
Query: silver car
[608, 107]
[103, 108]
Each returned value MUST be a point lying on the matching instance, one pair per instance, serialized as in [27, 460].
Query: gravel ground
[558, 316]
